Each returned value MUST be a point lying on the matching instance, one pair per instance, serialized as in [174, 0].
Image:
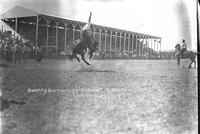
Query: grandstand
[57, 34]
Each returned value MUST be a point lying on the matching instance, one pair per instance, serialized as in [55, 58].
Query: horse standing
[80, 47]
[186, 55]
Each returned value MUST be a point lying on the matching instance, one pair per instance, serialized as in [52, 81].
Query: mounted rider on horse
[87, 35]
[182, 53]
[86, 41]
[87, 31]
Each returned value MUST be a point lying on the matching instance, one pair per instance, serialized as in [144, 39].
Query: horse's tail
[197, 53]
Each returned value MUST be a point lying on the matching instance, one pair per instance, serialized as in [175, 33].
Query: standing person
[183, 47]
[38, 54]
[87, 31]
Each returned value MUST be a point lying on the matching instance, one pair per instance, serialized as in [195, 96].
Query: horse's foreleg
[178, 62]
[90, 53]
[194, 64]
[83, 58]
[190, 64]
[76, 57]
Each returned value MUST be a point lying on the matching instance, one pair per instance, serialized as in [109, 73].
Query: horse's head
[178, 47]
[177, 50]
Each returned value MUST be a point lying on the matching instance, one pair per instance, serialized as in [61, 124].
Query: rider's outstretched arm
[89, 20]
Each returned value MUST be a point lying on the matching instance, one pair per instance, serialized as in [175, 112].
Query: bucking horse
[80, 47]
[186, 55]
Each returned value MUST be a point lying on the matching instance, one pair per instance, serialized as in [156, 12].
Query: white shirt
[184, 45]
[87, 27]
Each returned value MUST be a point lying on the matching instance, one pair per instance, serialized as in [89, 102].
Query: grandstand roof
[18, 12]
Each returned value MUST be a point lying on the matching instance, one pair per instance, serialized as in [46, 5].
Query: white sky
[172, 20]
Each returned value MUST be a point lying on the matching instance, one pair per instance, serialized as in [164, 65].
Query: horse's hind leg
[190, 64]
[194, 64]
[76, 57]
[83, 58]
[90, 53]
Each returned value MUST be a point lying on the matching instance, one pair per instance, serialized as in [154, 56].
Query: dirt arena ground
[109, 97]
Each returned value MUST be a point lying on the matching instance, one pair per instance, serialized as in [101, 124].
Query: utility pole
[197, 13]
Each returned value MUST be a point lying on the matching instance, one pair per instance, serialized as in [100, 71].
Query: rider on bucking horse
[87, 32]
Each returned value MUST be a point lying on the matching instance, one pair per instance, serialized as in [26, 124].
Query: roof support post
[160, 44]
[110, 41]
[138, 41]
[65, 28]
[36, 38]
[105, 41]
[146, 38]
[154, 41]
[100, 41]
[47, 41]
[129, 41]
[57, 36]
[57, 24]
[132, 43]
[16, 24]
[120, 42]
[65, 37]
[136, 47]
[142, 45]
[147, 45]
[151, 46]
[124, 43]
[115, 41]
[73, 31]
[157, 45]
[154, 45]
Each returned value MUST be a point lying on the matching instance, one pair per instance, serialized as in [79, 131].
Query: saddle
[182, 55]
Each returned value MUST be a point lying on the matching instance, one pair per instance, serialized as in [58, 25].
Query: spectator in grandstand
[183, 47]
[87, 31]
